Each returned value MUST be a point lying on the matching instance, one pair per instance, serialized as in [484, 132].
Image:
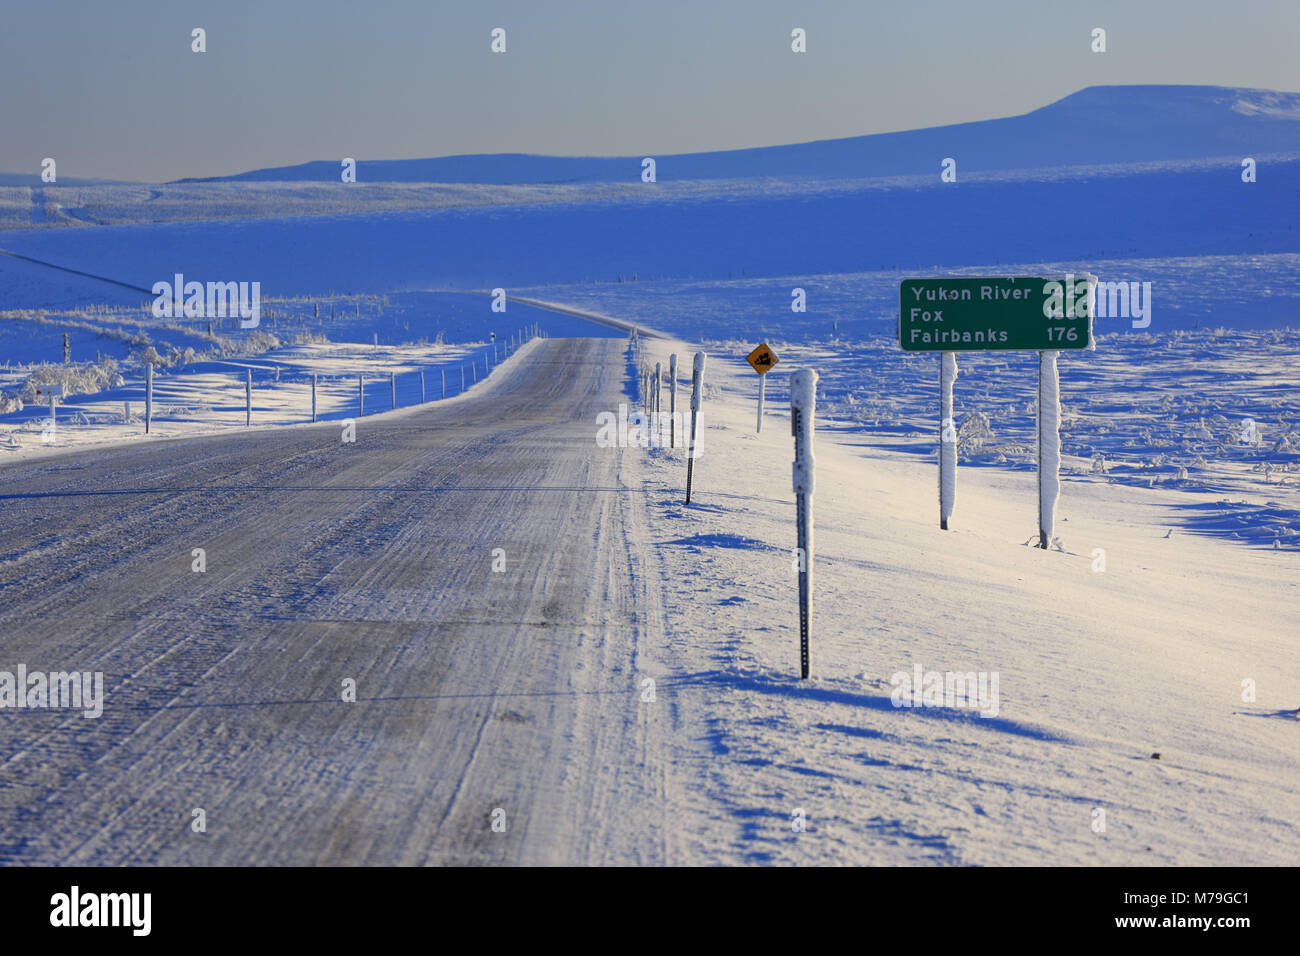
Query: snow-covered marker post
[763, 360]
[392, 382]
[148, 397]
[803, 411]
[672, 400]
[1049, 444]
[421, 386]
[444, 383]
[361, 395]
[1000, 313]
[697, 384]
[659, 377]
[248, 397]
[52, 392]
[313, 397]
[947, 438]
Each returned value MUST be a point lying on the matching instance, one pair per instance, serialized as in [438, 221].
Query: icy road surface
[476, 690]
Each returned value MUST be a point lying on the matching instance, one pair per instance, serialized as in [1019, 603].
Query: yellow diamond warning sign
[762, 358]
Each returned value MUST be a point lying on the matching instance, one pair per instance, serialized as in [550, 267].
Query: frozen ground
[525, 689]
[1099, 670]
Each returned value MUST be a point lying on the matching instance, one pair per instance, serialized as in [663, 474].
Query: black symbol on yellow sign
[762, 358]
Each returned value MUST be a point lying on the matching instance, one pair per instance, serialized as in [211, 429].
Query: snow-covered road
[477, 690]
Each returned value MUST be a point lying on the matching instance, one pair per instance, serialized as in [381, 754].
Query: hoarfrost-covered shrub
[86, 378]
[973, 433]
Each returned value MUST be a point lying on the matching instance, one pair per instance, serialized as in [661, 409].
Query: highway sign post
[763, 359]
[950, 314]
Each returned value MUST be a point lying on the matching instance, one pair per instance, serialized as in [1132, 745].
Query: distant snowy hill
[1097, 125]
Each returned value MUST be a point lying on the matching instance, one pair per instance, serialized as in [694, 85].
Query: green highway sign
[976, 313]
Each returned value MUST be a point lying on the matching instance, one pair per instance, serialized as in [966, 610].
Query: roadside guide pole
[697, 383]
[248, 397]
[803, 409]
[672, 400]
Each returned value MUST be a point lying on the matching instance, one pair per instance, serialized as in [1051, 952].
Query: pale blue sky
[111, 89]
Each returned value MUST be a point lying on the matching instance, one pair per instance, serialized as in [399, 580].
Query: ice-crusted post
[313, 396]
[248, 397]
[392, 381]
[697, 383]
[803, 411]
[672, 400]
[444, 383]
[659, 377]
[361, 396]
[421, 386]
[148, 396]
[1049, 445]
[947, 438]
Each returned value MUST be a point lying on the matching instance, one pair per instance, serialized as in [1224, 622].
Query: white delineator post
[421, 386]
[659, 377]
[672, 400]
[697, 383]
[248, 397]
[947, 438]
[1049, 445]
[148, 397]
[392, 382]
[361, 395]
[313, 397]
[803, 411]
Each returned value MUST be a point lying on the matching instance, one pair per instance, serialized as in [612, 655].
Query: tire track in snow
[474, 688]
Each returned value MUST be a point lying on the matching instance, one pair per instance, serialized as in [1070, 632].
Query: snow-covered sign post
[697, 383]
[50, 392]
[1000, 313]
[803, 411]
[672, 400]
[763, 360]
